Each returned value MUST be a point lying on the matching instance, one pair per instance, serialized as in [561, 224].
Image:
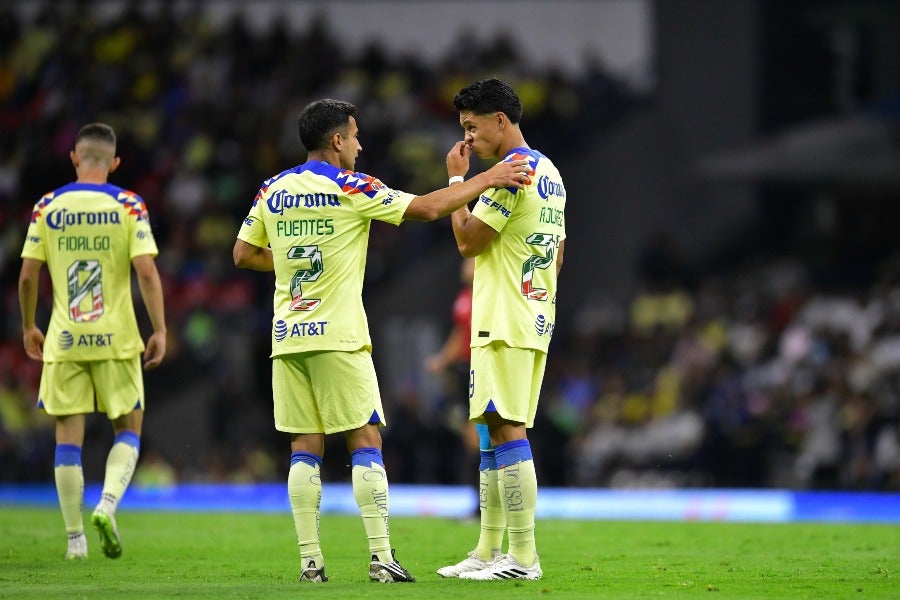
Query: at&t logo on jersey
[281, 330]
[65, 340]
[62, 218]
[542, 327]
[90, 340]
[311, 329]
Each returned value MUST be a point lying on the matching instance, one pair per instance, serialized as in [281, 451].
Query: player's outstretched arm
[152, 293]
[32, 336]
[444, 201]
[248, 256]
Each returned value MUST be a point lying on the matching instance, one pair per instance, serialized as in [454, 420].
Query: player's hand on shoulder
[513, 173]
[156, 350]
[33, 339]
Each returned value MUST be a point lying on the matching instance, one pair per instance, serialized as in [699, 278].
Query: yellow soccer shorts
[114, 387]
[510, 377]
[325, 392]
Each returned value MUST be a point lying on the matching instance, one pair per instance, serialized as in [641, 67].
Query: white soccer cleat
[470, 563]
[506, 567]
[77, 549]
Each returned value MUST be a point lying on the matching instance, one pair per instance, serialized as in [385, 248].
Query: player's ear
[337, 141]
[74, 158]
[115, 164]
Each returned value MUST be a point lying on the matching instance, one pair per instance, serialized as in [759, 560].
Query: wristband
[456, 179]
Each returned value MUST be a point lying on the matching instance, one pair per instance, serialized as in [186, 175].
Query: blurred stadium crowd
[752, 377]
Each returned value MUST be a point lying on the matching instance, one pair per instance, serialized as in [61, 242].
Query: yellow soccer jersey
[87, 234]
[514, 292]
[316, 219]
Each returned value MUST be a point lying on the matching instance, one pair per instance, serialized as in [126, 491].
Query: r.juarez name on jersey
[514, 292]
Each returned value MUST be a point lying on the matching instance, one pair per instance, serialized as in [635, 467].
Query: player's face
[482, 132]
[351, 147]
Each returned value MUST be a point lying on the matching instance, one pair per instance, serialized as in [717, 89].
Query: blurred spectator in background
[451, 364]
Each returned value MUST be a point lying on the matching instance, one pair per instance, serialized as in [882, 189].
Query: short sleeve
[253, 228]
[494, 208]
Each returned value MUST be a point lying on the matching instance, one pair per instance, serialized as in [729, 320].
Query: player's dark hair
[99, 132]
[321, 119]
[489, 96]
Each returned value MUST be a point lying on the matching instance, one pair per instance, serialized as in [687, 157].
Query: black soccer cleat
[392, 572]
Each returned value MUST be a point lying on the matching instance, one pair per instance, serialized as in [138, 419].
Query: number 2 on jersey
[298, 302]
[541, 240]
[85, 290]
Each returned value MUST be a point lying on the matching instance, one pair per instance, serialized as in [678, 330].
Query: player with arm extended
[310, 224]
[91, 234]
[517, 237]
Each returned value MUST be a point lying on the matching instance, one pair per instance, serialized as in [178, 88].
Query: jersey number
[298, 302]
[85, 291]
[549, 243]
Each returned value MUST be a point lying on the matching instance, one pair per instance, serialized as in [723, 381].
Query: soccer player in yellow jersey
[517, 237]
[90, 234]
[310, 225]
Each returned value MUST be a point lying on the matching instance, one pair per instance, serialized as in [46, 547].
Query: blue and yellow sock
[493, 518]
[69, 485]
[120, 464]
[518, 488]
[370, 489]
[305, 493]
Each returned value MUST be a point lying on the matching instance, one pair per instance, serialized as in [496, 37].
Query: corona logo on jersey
[62, 218]
[282, 200]
[546, 187]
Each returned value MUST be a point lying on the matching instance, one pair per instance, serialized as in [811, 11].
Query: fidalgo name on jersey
[73, 243]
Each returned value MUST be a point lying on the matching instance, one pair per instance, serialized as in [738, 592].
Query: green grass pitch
[245, 555]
